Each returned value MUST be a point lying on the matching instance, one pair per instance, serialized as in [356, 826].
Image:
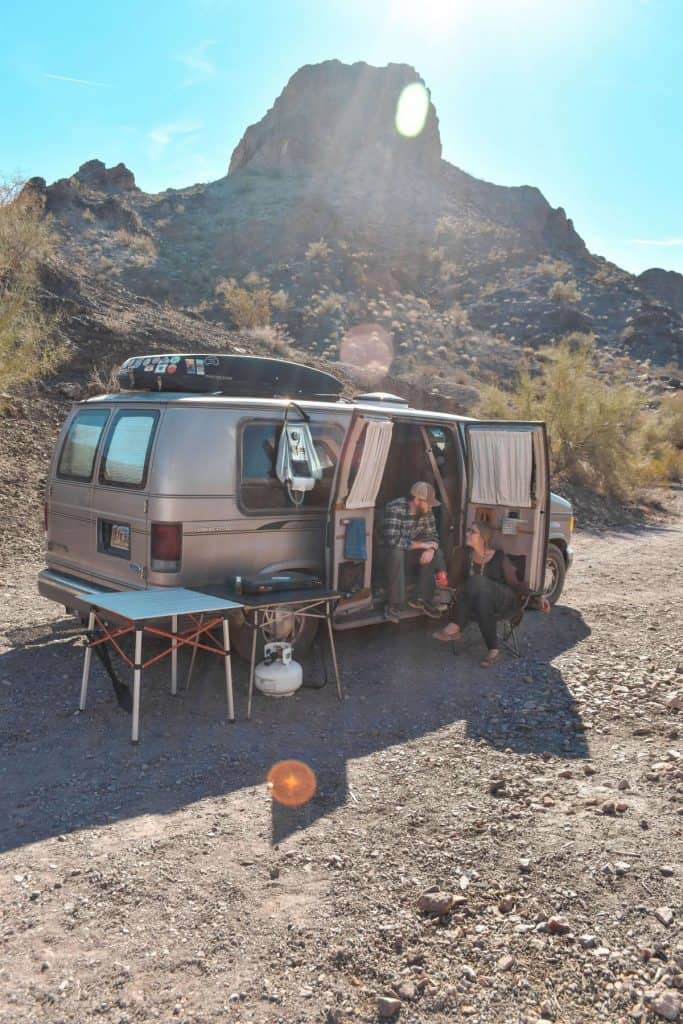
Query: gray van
[178, 488]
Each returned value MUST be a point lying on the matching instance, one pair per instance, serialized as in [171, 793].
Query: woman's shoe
[491, 658]
[445, 635]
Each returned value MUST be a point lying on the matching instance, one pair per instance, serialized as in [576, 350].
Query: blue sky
[579, 97]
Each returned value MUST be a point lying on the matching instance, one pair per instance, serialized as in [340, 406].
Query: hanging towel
[355, 546]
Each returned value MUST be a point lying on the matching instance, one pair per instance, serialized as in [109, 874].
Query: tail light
[167, 542]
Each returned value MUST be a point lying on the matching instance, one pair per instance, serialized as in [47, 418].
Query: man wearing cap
[412, 542]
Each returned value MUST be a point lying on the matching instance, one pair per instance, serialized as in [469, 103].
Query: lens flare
[291, 783]
[411, 110]
[369, 349]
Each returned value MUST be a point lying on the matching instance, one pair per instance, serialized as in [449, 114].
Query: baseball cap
[425, 492]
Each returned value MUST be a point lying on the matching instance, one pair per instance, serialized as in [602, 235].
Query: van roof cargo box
[241, 376]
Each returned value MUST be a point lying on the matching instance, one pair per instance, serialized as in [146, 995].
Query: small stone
[274, 871]
[609, 807]
[667, 1004]
[547, 1011]
[674, 701]
[524, 865]
[624, 785]
[621, 807]
[558, 925]
[387, 1006]
[588, 941]
[588, 769]
[622, 867]
[665, 915]
[407, 991]
[506, 904]
[506, 963]
[666, 870]
[434, 901]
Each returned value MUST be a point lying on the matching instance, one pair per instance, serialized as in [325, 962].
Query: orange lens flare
[291, 783]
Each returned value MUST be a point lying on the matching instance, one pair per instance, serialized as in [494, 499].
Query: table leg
[86, 663]
[192, 659]
[174, 655]
[252, 665]
[137, 671]
[228, 669]
[333, 650]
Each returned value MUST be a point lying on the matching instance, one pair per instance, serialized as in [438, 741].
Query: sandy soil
[161, 882]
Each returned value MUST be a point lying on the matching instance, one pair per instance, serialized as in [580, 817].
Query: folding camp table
[135, 610]
[258, 610]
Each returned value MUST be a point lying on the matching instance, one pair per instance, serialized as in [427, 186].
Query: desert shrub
[253, 279]
[553, 268]
[88, 215]
[592, 426]
[279, 300]
[318, 251]
[272, 339]
[459, 315]
[565, 292]
[248, 309]
[608, 274]
[29, 345]
[103, 382]
[661, 441]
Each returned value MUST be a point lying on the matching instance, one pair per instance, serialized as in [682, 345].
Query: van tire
[555, 572]
[241, 638]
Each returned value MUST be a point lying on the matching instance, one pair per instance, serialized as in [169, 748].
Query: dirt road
[161, 883]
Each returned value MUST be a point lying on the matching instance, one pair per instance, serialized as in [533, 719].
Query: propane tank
[277, 675]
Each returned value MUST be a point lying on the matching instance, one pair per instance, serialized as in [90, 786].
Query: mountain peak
[331, 116]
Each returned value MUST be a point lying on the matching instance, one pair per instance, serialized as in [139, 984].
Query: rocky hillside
[327, 219]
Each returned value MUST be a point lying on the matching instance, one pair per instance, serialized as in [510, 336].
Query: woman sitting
[492, 591]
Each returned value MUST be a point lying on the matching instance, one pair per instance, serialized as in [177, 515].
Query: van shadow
[61, 771]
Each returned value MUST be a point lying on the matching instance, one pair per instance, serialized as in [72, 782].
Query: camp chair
[507, 632]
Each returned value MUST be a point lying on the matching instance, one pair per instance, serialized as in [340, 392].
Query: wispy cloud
[655, 241]
[163, 134]
[199, 65]
[75, 81]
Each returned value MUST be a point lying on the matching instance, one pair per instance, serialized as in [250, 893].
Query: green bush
[318, 251]
[29, 345]
[661, 441]
[592, 426]
[565, 292]
[247, 308]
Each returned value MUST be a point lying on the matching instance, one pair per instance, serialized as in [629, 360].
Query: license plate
[120, 537]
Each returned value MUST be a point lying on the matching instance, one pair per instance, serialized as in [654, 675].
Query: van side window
[77, 457]
[260, 489]
[126, 454]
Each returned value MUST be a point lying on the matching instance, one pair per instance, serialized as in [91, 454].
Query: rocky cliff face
[341, 221]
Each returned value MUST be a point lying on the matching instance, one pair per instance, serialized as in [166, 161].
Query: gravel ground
[540, 802]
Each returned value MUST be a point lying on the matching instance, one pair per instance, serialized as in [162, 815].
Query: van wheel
[284, 625]
[555, 572]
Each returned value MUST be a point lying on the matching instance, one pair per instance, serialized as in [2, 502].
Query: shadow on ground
[62, 771]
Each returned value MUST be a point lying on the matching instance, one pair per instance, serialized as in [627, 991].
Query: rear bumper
[70, 591]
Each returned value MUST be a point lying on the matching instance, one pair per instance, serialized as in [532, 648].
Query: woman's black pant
[485, 601]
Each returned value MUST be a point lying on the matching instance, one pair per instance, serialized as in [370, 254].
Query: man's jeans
[398, 560]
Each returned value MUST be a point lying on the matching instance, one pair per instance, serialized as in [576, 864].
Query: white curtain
[371, 469]
[501, 467]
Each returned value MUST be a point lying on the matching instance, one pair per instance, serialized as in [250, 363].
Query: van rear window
[77, 457]
[260, 489]
[126, 454]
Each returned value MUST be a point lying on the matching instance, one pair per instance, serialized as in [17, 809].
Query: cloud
[655, 241]
[76, 81]
[161, 136]
[199, 66]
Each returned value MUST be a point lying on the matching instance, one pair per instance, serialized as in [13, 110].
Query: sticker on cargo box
[162, 367]
[189, 365]
[171, 368]
[200, 366]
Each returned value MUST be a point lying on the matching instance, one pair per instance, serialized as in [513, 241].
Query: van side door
[352, 510]
[508, 486]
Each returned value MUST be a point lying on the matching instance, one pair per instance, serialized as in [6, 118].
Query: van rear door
[352, 510]
[508, 486]
[69, 521]
[119, 534]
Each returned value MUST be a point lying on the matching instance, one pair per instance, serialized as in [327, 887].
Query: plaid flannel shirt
[401, 528]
